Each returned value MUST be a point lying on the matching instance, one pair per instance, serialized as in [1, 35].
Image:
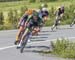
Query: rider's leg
[18, 36]
[55, 24]
[73, 22]
[35, 31]
[23, 37]
[58, 21]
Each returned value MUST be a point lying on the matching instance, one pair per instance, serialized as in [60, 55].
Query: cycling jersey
[23, 20]
[34, 23]
[59, 12]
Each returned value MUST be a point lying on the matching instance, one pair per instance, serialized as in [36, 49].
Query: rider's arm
[29, 18]
[22, 18]
[27, 21]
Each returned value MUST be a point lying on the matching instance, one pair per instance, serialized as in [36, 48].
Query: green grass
[4, 6]
[62, 48]
[7, 6]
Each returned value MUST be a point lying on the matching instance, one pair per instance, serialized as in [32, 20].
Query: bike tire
[24, 43]
[22, 48]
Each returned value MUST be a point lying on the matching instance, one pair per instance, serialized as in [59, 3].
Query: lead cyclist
[33, 24]
[21, 25]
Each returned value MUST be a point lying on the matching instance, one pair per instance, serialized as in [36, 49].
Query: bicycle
[25, 36]
[56, 23]
[24, 39]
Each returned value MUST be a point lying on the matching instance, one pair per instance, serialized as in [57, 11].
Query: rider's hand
[26, 24]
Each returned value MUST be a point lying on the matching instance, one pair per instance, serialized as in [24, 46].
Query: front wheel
[24, 42]
[22, 48]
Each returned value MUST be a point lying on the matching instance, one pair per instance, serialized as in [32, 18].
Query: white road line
[7, 47]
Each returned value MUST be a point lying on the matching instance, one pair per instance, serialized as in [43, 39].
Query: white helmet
[44, 9]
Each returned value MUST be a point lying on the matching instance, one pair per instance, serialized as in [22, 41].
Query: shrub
[64, 48]
[23, 9]
[1, 18]
[15, 19]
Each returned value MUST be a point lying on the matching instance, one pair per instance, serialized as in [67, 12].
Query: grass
[63, 48]
[4, 6]
[7, 6]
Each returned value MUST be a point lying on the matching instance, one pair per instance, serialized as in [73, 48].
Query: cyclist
[59, 14]
[43, 13]
[33, 24]
[21, 25]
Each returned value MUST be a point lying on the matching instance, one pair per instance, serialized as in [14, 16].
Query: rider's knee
[21, 28]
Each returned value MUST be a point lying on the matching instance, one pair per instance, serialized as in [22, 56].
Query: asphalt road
[8, 50]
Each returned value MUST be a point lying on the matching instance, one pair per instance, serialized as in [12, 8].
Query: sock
[17, 38]
[20, 43]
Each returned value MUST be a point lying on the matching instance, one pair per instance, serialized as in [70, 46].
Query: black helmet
[35, 14]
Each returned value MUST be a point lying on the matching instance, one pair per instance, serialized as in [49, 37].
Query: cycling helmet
[62, 6]
[29, 11]
[44, 9]
[35, 14]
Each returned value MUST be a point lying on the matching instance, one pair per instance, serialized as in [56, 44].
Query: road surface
[8, 50]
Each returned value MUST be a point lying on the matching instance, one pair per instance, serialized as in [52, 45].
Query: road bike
[25, 38]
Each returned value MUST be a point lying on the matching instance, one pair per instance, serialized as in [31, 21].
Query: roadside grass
[5, 6]
[62, 48]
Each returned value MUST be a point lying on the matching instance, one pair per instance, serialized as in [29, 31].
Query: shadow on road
[36, 49]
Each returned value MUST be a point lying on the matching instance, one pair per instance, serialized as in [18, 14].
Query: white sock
[20, 43]
[30, 37]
